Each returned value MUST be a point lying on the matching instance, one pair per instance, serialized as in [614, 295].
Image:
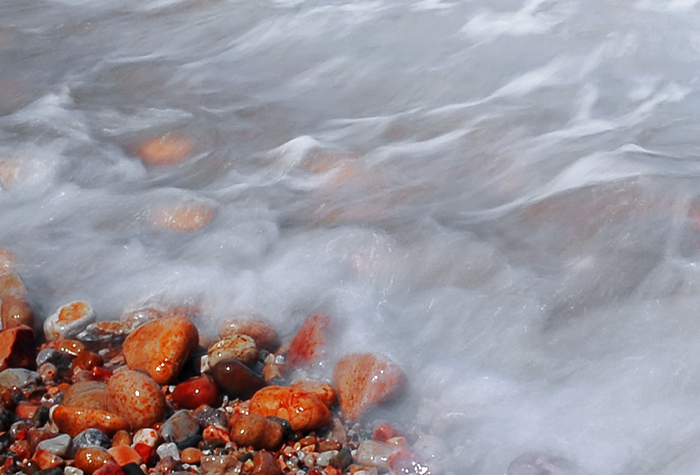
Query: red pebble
[46, 459]
[145, 451]
[124, 455]
[307, 347]
[264, 463]
[136, 398]
[303, 410]
[264, 335]
[213, 434]
[197, 391]
[384, 432]
[25, 410]
[21, 449]
[161, 347]
[364, 380]
[17, 348]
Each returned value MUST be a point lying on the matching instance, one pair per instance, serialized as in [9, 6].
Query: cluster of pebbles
[145, 395]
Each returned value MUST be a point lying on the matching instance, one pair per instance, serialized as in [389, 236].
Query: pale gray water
[514, 212]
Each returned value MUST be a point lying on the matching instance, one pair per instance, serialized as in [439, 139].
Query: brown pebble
[87, 360]
[136, 397]
[71, 347]
[236, 379]
[264, 335]
[17, 348]
[86, 394]
[15, 311]
[74, 420]
[303, 410]
[121, 437]
[264, 463]
[191, 455]
[90, 459]
[196, 391]
[324, 445]
[161, 347]
[255, 431]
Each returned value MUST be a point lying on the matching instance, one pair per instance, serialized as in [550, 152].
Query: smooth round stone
[91, 459]
[191, 455]
[74, 420]
[133, 320]
[59, 445]
[91, 438]
[256, 431]
[136, 397]
[104, 332]
[197, 391]
[69, 320]
[87, 360]
[264, 335]
[86, 394]
[303, 410]
[236, 379]
[182, 428]
[19, 378]
[161, 347]
[240, 347]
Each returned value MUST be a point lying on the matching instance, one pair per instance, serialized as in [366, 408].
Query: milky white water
[503, 196]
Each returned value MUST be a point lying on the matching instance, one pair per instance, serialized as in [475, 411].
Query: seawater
[502, 196]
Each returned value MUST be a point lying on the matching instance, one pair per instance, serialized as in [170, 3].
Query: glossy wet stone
[303, 410]
[364, 380]
[309, 343]
[74, 420]
[236, 379]
[91, 438]
[540, 463]
[197, 391]
[17, 348]
[256, 431]
[19, 378]
[91, 459]
[86, 394]
[264, 463]
[240, 347]
[182, 428]
[136, 397]
[69, 320]
[265, 336]
[14, 308]
[161, 347]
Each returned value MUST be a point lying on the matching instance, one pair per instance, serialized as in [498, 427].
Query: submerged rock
[69, 320]
[539, 463]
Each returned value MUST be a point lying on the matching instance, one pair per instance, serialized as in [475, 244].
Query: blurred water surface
[503, 196]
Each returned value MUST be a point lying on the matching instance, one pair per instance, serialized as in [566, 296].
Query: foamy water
[502, 196]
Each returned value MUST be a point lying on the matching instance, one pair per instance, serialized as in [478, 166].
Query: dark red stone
[17, 348]
[197, 391]
[264, 463]
[236, 379]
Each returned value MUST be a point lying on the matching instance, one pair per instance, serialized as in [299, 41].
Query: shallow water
[500, 195]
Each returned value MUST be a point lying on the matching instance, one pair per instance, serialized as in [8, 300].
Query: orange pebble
[121, 437]
[183, 217]
[191, 455]
[124, 455]
[303, 410]
[165, 150]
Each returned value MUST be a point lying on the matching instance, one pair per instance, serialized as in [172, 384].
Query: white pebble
[72, 471]
[324, 458]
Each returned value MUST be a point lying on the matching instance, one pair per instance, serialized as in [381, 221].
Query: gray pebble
[182, 428]
[91, 438]
[58, 445]
[168, 449]
[19, 378]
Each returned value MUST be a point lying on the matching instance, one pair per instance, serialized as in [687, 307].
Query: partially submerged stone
[240, 347]
[309, 343]
[364, 380]
[69, 320]
[303, 410]
[165, 150]
[264, 335]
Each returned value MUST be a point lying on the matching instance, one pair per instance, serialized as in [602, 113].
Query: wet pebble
[191, 455]
[209, 416]
[17, 348]
[164, 150]
[74, 420]
[86, 394]
[48, 355]
[59, 445]
[364, 380]
[309, 343]
[256, 431]
[72, 471]
[19, 378]
[161, 347]
[264, 335]
[124, 455]
[264, 463]
[182, 428]
[236, 379]
[136, 397]
[323, 391]
[220, 464]
[91, 438]
[240, 347]
[197, 391]
[90, 459]
[68, 320]
[303, 410]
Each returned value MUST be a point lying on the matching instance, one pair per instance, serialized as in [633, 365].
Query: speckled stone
[69, 320]
[74, 420]
[255, 431]
[209, 416]
[303, 410]
[182, 428]
[364, 380]
[136, 397]
[264, 335]
[240, 347]
[309, 344]
[91, 438]
[236, 379]
[161, 347]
